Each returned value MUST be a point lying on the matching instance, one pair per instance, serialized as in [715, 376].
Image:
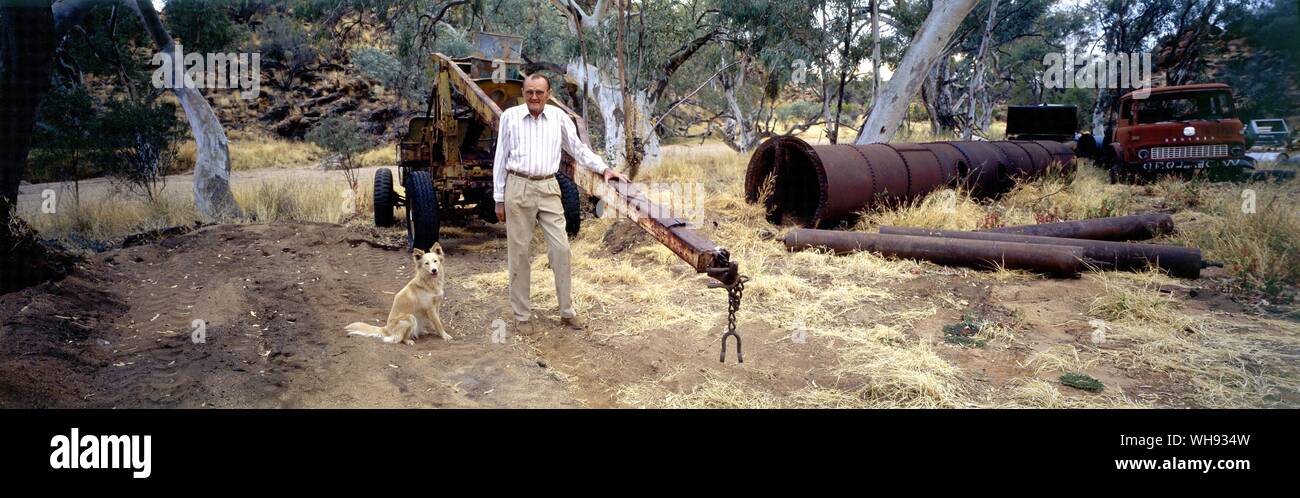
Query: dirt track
[274, 299]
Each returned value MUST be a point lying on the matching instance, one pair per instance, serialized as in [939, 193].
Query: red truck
[1176, 129]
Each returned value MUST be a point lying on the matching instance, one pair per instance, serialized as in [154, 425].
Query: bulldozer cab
[453, 141]
[495, 67]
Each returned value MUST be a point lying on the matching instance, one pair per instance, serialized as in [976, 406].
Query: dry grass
[1063, 358]
[281, 201]
[943, 210]
[107, 218]
[1222, 366]
[1085, 193]
[1261, 248]
[380, 155]
[711, 393]
[1038, 393]
[254, 151]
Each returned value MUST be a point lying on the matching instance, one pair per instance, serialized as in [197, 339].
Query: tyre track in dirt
[274, 299]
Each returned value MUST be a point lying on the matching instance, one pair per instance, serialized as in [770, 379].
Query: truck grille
[1189, 151]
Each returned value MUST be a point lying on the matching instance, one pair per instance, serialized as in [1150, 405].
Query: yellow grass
[380, 155]
[1261, 249]
[108, 217]
[1038, 393]
[255, 151]
[1222, 366]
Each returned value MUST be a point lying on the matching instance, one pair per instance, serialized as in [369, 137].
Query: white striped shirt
[531, 145]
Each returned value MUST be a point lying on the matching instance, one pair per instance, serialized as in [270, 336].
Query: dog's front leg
[437, 323]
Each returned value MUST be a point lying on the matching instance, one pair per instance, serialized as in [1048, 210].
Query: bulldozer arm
[704, 255]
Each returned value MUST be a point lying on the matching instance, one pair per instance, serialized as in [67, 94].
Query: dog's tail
[364, 329]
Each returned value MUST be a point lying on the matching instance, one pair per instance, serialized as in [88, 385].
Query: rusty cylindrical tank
[1059, 260]
[821, 185]
[1179, 261]
[1135, 227]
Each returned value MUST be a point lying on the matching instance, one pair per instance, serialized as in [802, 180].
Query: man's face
[536, 94]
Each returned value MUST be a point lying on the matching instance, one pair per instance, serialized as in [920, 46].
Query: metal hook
[740, 356]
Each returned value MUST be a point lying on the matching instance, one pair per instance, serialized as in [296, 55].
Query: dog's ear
[417, 254]
[436, 249]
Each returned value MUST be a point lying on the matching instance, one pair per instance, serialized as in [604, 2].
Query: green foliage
[378, 65]
[132, 143]
[284, 42]
[137, 144]
[64, 135]
[963, 333]
[340, 135]
[1082, 381]
[201, 25]
[799, 110]
[343, 136]
[1270, 36]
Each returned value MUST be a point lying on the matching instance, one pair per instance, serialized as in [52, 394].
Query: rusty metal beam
[1136, 227]
[704, 255]
[482, 105]
[1179, 261]
[1061, 260]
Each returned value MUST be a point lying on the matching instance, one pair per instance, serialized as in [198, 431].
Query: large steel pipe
[1179, 261]
[1135, 227]
[1059, 260]
[822, 185]
[982, 169]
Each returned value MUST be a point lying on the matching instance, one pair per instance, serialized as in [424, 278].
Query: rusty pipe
[823, 185]
[1135, 227]
[1179, 261]
[1058, 260]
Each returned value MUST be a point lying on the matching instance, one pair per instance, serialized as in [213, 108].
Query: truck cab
[1178, 129]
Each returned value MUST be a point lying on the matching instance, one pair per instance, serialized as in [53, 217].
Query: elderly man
[527, 194]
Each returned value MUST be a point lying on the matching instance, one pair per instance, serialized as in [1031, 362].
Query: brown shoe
[574, 323]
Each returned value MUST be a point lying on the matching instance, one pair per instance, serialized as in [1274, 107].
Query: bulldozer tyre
[385, 197]
[572, 202]
[421, 210]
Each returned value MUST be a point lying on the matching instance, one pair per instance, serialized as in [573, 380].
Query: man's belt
[534, 178]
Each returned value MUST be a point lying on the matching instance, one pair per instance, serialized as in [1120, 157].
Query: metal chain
[734, 293]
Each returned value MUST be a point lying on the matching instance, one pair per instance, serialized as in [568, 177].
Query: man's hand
[611, 173]
[501, 212]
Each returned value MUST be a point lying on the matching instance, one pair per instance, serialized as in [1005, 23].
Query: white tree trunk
[212, 194]
[875, 51]
[609, 99]
[925, 47]
[577, 16]
[741, 137]
[1101, 111]
[977, 85]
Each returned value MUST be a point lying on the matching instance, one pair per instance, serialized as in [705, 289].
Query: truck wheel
[572, 202]
[421, 210]
[385, 198]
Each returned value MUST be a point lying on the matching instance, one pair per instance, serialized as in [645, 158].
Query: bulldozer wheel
[421, 210]
[385, 197]
[572, 202]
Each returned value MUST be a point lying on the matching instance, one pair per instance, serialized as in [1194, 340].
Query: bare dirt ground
[274, 298]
